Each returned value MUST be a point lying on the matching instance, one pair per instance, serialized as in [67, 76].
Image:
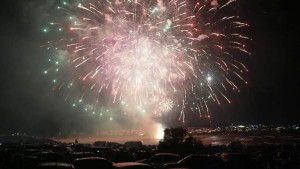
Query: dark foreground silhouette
[176, 150]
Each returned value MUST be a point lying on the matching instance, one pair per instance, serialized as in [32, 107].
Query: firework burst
[166, 105]
[134, 51]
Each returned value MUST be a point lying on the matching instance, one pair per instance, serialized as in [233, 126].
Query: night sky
[28, 103]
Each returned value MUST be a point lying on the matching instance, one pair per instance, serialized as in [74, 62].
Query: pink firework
[134, 52]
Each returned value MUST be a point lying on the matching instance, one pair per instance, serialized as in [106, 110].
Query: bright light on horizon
[159, 131]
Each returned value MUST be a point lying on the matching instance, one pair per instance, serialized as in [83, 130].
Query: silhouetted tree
[174, 135]
[177, 140]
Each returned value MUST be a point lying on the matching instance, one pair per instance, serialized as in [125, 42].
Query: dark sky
[29, 105]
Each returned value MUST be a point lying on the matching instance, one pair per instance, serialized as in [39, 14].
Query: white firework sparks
[136, 50]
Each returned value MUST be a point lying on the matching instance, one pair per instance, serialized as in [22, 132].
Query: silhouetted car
[99, 143]
[30, 146]
[119, 156]
[196, 161]
[100, 151]
[107, 144]
[133, 144]
[18, 159]
[131, 165]
[139, 155]
[75, 155]
[92, 162]
[228, 157]
[239, 160]
[80, 147]
[158, 160]
[43, 157]
[29, 152]
[54, 165]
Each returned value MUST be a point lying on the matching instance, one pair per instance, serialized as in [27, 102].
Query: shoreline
[206, 139]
